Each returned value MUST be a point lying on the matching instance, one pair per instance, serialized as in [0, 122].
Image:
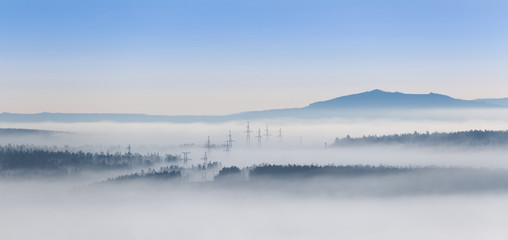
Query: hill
[381, 99]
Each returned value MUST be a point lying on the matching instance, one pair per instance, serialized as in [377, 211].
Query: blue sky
[214, 57]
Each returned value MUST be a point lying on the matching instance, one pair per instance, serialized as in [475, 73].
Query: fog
[302, 142]
[296, 132]
[162, 212]
[466, 202]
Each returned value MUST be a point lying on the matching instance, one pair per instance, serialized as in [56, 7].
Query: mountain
[495, 101]
[381, 99]
[366, 104]
[100, 117]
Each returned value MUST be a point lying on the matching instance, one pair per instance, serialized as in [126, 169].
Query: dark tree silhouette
[229, 173]
[465, 138]
[26, 158]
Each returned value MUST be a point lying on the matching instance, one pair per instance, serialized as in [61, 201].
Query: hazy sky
[214, 57]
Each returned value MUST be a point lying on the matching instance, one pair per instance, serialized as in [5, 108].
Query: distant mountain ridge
[349, 105]
[496, 101]
[381, 99]
[22, 131]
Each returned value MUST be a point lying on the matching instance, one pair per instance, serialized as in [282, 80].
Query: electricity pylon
[248, 131]
[259, 137]
[185, 157]
[267, 135]
[208, 144]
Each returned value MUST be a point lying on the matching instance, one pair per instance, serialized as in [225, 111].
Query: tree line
[27, 157]
[164, 173]
[461, 138]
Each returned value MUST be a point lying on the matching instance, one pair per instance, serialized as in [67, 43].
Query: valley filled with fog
[256, 120]
[357, 178]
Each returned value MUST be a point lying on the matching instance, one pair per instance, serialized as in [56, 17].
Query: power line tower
[205, 161]
[248, 131]
[229, 142]
[280, 135]
[259, 137]
[208, 144]
[227, 147]
[267, 135]
[185, 157]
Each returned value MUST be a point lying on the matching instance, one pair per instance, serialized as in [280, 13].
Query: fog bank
[162, 213]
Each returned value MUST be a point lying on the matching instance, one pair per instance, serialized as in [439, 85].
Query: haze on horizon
[220, 57]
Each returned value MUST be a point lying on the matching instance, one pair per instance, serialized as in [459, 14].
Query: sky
[219, 57]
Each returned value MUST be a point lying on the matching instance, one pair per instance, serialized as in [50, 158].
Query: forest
[164, 173]
[470, 138]
[29, 158]
[308, 171]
